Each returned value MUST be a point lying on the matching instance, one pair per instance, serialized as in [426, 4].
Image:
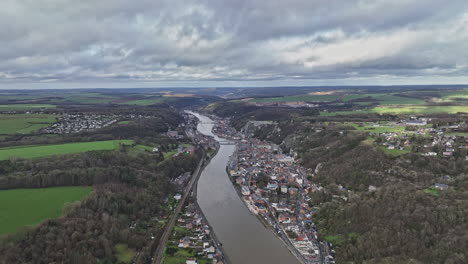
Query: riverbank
[265, 223]
[244, 237]
[195, 200]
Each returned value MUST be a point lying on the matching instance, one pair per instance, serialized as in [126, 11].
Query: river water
[245, 240]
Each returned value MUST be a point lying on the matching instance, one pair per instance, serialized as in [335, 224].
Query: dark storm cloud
[211, 40]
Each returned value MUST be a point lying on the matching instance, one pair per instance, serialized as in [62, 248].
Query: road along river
[245, 240]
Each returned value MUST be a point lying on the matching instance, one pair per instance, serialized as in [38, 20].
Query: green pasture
[26, 207]
[420, 109]
[433, 191]
[394, 152]
[23, 107]
[404, 109]
[24, 123]
[381, 128]
[59, 149]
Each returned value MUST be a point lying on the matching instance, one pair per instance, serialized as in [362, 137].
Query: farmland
[404, 109]
[24, 107]
[420, 109]
[11, 124]
[59, 149]
[424, 102]
[381, 98]
[312, 98]
[26, 207]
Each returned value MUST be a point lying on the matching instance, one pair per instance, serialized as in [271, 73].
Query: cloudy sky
[157, 43]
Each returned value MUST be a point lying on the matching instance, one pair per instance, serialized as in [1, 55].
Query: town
[275, 188]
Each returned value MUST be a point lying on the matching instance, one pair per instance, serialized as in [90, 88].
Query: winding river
[245, 240]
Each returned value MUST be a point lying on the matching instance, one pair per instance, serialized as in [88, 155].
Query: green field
[452, 96]
[390, 99]
[124, 254]
[26, 207]
[419, 109]
[85, 98]
[433, 191]
[381, 128]
[404, 109]
[23, 123]
[59, 149]
[394, 152]
[24, 107]
[382, 98]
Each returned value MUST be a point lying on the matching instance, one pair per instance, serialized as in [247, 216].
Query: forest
[402, 220]
[128, 205]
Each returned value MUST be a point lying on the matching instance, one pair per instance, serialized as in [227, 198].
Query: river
[245, 240]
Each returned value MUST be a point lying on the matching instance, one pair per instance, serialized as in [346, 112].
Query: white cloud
[108, 41]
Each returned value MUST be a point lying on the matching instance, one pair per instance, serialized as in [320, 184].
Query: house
[416, 122]
[191, 261]
[178, 196]
[284, 188]
[292, 191]
[245, 190]
[155, 149]
[272, 186]
[284, 218]
[441, 186]
[184, 242]
[210, 250]
[239, 180]
[172, 133]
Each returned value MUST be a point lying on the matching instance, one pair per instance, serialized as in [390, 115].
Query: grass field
[433, 191]
[25, 207]
[419, 109]
[394, 152]
[60, 149]
[22, 123]
[181, 255]
[452, 96]
[404, 109]
[381, 128]
[124, 254]
[83, 98]
[382, 98]
[24, 107]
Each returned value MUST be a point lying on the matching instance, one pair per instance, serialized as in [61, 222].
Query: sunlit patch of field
[37, 151]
